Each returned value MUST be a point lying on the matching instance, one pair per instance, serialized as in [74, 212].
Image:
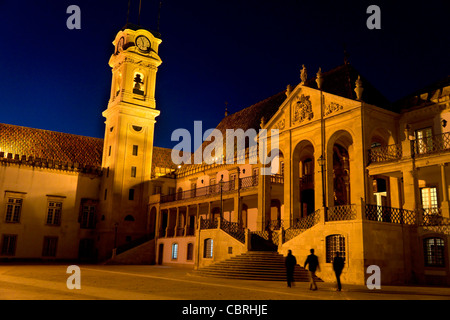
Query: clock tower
[128, 141]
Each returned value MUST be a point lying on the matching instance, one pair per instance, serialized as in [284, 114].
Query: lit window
[434, 252]
[208, 248]
[335, 243]
[175, 251]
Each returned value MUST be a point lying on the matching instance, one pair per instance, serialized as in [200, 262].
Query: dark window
[129, 218]
[13, 209]
[131, 194]
[434, 252]
[88, 217]
[335, 243]
[54, 213]
[190, 251]
[106, 193]
[133, 172]
[135, 150]
[49, 248]
[9, 244]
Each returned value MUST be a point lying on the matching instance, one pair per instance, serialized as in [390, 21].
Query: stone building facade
[357, 175]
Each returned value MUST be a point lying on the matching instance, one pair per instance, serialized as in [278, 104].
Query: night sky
[212, 51]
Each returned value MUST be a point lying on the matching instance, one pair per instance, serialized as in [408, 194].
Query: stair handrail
[301, 225]
[234, 229]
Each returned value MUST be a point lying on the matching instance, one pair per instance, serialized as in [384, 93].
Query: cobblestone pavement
[120, 282]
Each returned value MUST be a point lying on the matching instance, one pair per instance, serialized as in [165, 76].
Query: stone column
[176, 221]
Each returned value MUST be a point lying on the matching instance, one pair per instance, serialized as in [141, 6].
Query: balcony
[212, 190]
[432, 144]
[388, 153]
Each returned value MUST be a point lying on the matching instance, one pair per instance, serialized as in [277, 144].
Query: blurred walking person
[313, 264]
[338, 265]
[290, 263]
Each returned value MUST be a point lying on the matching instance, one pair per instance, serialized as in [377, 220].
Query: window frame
[16, 204]
[332, 243]
[10, 250]
[437, 255]
[174, 253]
[47, 250]
[56, 211]
[208, 248]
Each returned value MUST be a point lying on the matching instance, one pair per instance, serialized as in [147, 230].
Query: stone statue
[303, 74]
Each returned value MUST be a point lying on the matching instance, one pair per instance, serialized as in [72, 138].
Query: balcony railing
[389, 214]
[277, 179]
[385, 153]
[340, 213]
[214, 189]
[432, 144]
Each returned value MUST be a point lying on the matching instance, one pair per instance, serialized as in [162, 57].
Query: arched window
[335, 243]
[129, 218]
[190, 251]
[434, 252]
[138, 80]
[208, 248]
[174, 251]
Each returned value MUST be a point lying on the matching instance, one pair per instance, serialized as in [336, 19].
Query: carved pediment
[332, 107]
[302, 109]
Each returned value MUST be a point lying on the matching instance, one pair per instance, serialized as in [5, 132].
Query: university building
[357, 174]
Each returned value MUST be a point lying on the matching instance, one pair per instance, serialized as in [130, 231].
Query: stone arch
[303, 170]
[339, 160]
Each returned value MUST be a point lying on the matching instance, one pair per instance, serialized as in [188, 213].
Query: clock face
[143, 43]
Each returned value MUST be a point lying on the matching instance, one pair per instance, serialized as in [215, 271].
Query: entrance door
[160, 253]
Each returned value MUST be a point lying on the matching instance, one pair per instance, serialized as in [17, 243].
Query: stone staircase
[253, 265]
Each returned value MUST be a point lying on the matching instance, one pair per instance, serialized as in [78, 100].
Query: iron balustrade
[432, 144]
[301, 225]
[385, 153]
[341, 213]
[214, 189]
[234, 229]
[388, 214]
[277, 179]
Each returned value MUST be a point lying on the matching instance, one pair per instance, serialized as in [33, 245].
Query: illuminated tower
[128, 142]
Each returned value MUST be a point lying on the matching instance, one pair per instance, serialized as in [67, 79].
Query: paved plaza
[132, 282]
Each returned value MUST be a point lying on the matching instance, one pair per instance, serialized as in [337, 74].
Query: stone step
[253, 265]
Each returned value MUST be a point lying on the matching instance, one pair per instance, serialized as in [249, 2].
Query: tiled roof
[341, 81]
[64, 147]
[51, 145]
[430, 94]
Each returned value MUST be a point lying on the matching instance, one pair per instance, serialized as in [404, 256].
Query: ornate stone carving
[332, 107]
[302, 109]
[279, 125]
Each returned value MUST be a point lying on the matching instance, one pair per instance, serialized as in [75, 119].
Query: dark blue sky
[213, 51]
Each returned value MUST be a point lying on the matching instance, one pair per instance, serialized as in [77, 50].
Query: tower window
[109, 151]
[106, 194]
[138, 83]
[131, 194]
[133, 172]
[135, 150]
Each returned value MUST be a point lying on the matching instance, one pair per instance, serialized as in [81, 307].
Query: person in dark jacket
[338, 265]
[290, 263]
[313, 262]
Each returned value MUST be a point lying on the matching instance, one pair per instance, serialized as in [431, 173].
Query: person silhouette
[338, 265]
[290, 262]
[313, 264]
